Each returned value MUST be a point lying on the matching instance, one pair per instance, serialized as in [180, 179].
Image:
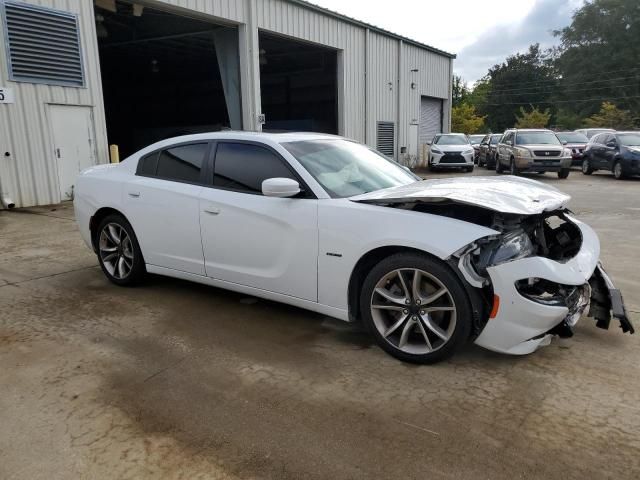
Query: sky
[482, 32]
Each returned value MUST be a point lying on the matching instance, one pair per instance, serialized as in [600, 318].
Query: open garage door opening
[299, 85]
[164, 74]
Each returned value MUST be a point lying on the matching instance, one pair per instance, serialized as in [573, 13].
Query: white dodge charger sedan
[330, 225]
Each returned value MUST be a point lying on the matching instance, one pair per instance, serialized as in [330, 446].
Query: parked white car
[329, 225]
[451, 150]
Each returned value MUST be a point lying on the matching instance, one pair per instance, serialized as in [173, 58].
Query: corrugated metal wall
[375, 74]
[29, 174]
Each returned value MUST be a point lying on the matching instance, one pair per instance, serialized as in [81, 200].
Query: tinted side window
[148, 164]
[243, 167]
[182, 163]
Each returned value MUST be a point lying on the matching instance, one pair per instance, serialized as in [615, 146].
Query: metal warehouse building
[79, 75]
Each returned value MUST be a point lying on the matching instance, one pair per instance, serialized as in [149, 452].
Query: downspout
[5, 199]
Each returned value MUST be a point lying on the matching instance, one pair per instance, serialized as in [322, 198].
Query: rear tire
[118, 251]
[425, 324]
[587, 169]
[564, 173]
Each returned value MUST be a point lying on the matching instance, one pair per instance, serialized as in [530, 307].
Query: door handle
[134, 194]
[212, 210]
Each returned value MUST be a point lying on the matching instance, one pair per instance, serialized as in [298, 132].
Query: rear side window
[183, 163]
[243, 167]
[148, 165]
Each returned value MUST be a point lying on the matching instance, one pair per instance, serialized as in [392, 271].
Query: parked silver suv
[532, 150]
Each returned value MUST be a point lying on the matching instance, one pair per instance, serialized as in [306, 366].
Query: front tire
[587, 169]
[513, 170]
[618, 172]
[564, 173]
[119, 253]
[416, 308]
[498, 164]
[469, 169]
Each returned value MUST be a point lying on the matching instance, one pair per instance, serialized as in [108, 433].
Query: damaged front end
[532, 279]
[543, 273]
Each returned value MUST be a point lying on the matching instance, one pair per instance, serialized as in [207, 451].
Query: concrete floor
[175, 380]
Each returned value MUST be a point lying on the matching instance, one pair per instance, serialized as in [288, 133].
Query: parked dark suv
[618, 152]
[532, 150]
[488, 148]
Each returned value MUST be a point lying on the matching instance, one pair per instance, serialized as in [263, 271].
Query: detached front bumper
[522, 324]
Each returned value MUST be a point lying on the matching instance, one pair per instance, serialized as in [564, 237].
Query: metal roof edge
[354, 21]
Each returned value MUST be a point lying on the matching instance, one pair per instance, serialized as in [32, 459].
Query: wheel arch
[97, 217]
[363, 266]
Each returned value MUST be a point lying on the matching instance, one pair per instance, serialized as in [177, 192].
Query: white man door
[73, 144]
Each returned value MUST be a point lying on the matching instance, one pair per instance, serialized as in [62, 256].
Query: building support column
[401, 130]
[250, 69]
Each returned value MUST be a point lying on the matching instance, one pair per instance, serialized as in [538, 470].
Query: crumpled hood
[506, 194]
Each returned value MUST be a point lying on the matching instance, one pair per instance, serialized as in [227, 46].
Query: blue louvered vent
[43, 45]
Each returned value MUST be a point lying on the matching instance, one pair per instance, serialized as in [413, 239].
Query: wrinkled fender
[349, 230]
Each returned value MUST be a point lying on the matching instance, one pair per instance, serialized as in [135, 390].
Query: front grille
[546, 153]
[453, 157]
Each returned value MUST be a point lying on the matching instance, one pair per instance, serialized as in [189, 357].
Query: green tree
[477, 95]
[459, 91]
[533, 119]
[610, 116]
[523, 79]
[566, 119]
[599, 56]
[465, 120]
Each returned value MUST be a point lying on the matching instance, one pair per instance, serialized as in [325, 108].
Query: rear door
[597, 150]
[162, 204]
[609, 151]
[263, 242]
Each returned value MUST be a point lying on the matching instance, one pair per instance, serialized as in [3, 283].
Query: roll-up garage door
[430, 118]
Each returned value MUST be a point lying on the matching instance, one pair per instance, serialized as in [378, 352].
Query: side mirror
[428, 142]
[280, 187]
[611, 144]
[564, 142]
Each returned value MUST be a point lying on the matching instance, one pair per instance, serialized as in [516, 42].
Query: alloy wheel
[116, 251]
[413, 311]
[617, 170]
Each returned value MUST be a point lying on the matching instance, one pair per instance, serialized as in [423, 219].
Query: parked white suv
[451, 150]
[532, 150]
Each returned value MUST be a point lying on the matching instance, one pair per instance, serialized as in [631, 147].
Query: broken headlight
[511, 246]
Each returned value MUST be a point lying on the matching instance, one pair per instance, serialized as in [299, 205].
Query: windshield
[476, 139]
[595, 131]
[629, 139]
[495, 138]
[345, 168]
[451, 140]
[572, 137]
[537, 138]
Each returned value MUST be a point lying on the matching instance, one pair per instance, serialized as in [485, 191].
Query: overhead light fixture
[155, 68]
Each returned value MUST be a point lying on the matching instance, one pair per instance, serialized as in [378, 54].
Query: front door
[249, 239]
[73, 144]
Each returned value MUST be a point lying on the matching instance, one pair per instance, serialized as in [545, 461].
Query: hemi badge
[331, 254]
